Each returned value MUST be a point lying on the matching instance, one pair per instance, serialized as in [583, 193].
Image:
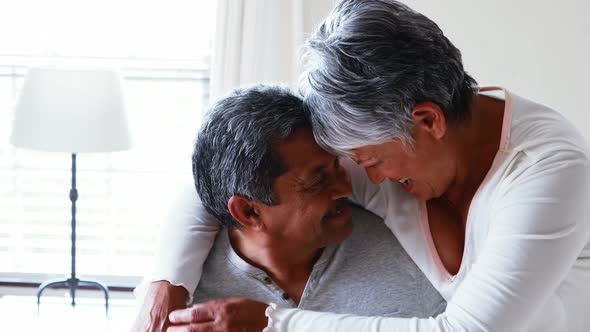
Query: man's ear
[429, 117]
[245, 212]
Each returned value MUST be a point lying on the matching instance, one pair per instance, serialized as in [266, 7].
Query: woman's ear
[245, 212]
[429, 117]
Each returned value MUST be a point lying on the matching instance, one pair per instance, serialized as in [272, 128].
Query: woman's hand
[223, 315]
[161, 299]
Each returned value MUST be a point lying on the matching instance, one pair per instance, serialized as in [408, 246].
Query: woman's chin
[423, 195]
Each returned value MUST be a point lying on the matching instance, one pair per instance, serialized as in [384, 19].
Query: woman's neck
[477, 143]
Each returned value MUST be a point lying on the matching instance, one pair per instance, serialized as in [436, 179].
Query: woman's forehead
[383, 151]
[364, 153]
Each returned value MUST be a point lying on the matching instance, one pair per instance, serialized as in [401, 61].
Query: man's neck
[288, 267]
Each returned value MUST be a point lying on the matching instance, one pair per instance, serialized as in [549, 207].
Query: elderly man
[290, 236]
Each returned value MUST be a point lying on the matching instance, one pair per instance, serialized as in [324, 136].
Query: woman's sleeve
[186, 238]
[538, 229]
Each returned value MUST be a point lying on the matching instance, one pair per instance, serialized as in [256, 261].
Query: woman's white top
[526, 261]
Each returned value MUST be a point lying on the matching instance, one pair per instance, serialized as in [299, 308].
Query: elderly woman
[488, 192]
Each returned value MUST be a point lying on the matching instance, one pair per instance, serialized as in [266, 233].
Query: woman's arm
[186, 238]
[538, 230]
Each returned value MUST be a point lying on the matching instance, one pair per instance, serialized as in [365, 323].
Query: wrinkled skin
[223, 315]
[160, 300]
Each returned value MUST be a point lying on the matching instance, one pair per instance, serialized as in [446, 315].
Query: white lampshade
[71, 110]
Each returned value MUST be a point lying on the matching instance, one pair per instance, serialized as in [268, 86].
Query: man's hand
[160, 299]
[224, 315]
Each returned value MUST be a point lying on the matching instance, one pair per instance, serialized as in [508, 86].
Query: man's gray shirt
[367, 274]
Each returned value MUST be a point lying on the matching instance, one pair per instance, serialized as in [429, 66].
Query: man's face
[312, 209]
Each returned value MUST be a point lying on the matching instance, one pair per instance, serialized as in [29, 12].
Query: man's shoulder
[371, 274]
[225, 274]
[371, 238]
[369, 227]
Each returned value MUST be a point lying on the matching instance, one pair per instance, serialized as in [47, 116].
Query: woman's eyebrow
[368, 162]
[357, 160]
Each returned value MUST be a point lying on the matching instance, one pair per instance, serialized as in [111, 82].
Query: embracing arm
[186, 238]
[538, 229]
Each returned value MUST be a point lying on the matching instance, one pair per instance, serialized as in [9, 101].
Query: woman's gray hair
[367, 66]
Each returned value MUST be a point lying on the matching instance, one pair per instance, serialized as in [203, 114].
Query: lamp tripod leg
[49, 284]
[73, 282]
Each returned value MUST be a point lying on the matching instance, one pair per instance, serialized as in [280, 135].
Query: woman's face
[425, 169]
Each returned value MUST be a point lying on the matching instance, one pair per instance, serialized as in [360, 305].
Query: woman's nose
[374, 175]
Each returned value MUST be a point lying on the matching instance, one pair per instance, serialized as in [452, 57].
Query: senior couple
[471, 213]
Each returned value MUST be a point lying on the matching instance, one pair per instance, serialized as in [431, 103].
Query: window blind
[164, 59]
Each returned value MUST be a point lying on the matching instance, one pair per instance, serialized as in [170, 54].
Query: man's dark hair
[235, 150]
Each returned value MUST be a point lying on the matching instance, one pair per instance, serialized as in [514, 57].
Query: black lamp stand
[73, 282]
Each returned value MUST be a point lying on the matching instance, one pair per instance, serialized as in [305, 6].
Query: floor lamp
[74, 111]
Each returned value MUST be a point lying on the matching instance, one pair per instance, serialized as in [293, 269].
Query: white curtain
[258, 41]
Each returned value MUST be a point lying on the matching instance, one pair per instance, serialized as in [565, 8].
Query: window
[163, 51]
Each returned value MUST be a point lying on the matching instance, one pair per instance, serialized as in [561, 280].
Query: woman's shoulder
[539, 131]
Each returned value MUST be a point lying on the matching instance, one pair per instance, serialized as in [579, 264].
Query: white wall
[539, 49]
